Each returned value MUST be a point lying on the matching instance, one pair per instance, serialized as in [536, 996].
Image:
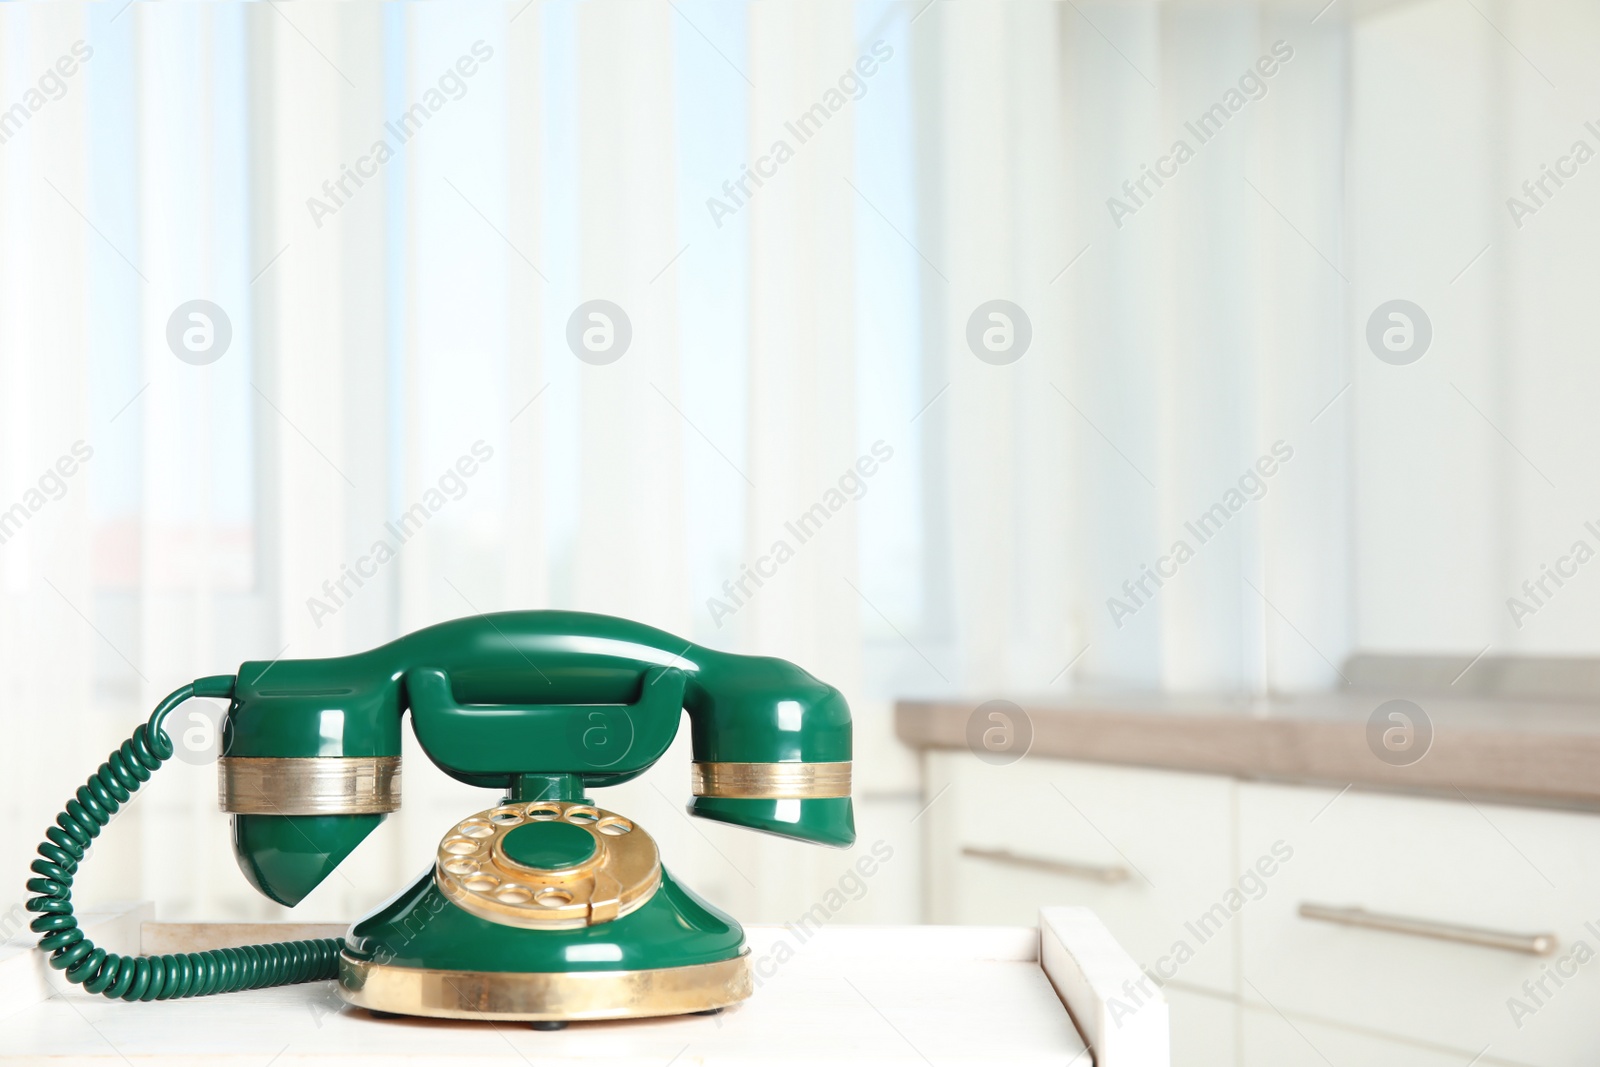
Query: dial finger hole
[460, 866]
[582, 815]
[476, 829]
[506, 817]
[554, 898]
[460, 846]
[615, 827]
[513, 894]
[543, 811]
[481, 883]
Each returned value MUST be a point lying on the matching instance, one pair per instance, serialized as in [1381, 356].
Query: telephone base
[423, 954]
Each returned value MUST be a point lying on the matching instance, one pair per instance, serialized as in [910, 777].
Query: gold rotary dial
[548, 865]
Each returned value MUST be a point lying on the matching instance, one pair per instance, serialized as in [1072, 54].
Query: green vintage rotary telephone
[544, 908]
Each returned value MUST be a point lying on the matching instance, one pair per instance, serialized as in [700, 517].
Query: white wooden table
[845, 995]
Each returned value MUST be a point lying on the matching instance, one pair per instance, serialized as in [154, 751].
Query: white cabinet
[1202, 879]
[1149, 851]
[1488, 869]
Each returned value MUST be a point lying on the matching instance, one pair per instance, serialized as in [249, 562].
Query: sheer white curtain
[561, 153]
[1172, 346]
[389, 310]
[1473, 480]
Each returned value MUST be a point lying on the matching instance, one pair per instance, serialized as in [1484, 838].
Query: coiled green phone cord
[191, 974]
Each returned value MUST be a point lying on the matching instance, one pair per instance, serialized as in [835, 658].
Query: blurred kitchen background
[399, 215]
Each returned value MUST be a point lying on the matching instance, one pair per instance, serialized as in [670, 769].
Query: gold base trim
[770, 781]
[549, 997]
[308, 785]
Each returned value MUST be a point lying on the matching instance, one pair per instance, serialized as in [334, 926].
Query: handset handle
[494, 742]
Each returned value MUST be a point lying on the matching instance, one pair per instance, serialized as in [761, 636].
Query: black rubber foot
[547, 1024]
[710, 1011]
[382, 1014]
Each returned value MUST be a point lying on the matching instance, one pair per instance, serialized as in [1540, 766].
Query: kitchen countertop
[1502, 749]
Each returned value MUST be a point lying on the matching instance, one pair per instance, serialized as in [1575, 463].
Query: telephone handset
[544, 908]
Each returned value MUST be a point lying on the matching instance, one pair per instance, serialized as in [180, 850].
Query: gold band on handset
[771, 781]
[308, 785]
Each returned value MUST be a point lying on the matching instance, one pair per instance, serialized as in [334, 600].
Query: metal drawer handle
[1531, 944]
[1108, 875]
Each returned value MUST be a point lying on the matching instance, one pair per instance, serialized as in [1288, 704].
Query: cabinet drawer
[1489, 872]
[1149, 851]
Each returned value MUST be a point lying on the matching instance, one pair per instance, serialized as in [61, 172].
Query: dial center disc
[548, 846]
